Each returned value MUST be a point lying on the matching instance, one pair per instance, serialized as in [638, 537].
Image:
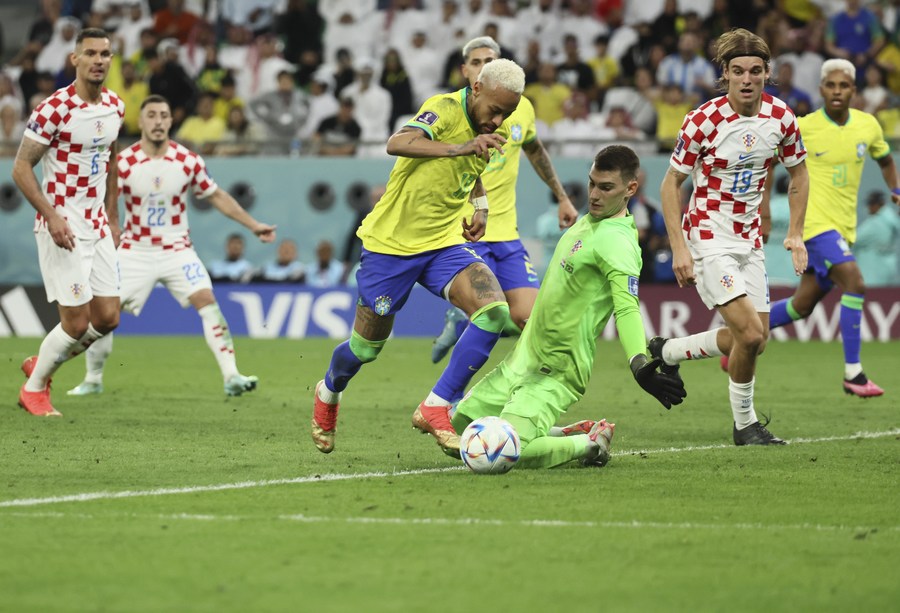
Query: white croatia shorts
[73, 278]
[181, 272]
[722, 277]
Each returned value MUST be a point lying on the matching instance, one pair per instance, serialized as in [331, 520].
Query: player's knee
[491, 317]
[107, 322]
[365, 350]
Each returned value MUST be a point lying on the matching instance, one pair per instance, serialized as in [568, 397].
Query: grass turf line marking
[167, 491]
[459, 521]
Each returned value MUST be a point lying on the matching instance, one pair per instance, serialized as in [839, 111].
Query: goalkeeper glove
[667, 388]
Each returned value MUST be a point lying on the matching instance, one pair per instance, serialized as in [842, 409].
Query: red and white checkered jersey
[76, 164]
[156, 195]
[729, 156]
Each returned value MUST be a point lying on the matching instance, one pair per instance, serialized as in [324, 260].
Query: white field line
[169, 491]
[459, 521]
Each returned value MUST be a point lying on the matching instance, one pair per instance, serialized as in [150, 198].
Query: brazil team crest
[749, 140]
[515, 133]
[860, 150]
[383, 305]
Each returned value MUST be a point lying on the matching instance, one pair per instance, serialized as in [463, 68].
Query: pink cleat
[579, 427]
[861, 386]
[723, 362]
[37, 403]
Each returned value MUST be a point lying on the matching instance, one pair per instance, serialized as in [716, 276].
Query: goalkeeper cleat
[861, 386]
[723, 362]
[324, 422]
[436, 422]
[655, 347]
[448, 336]
[601, 438]
[756, 434]
[37, 403]
[86, 388]
[579, 427]
[238, 384]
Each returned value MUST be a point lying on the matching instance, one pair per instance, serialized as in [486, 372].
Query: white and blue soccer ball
[489, 446]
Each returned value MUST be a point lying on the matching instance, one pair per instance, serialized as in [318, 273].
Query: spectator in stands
[260, 74]
[783, 88]
[665, 26]
[322, 103]
[671, 107]
[42, 29]
[55, 54]
[396, 82]
[243, 136]
[876, 242]
[169, 80]
[174, 21]
[357, 34]
[8, 94]
[325, 271]
[353, 244]
[46, 83]
[573, 71]
[875, 95]
[807, 63]
[448, 31]
[692, 73]
[256, 15]
[235, 51]
[134, 22]
[211, 74]
[541, 21]
[149, 41]
[372, 109]
[12, 128]
[200, 52]
[491, 30]
[574, 134]
[580, 21]
[344, 73]
[310, 62]
[227, 98]
[637, 55]
[132, 92]
[402, 18]
[637, 101]
[420, 60]
[854, 34]
[532, 62]
[201, 132]
[338, 134]
[300, 26]
[285, 268]
[235, 268]
[282, 111]
[548, 95]
[605, 68]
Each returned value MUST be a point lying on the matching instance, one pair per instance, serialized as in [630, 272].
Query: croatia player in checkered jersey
[728, 145]
[155, 175]
[73, 134]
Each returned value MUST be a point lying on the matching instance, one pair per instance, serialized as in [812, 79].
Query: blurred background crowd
[336, 77]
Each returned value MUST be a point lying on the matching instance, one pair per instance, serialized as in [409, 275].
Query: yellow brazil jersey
[499, 178]
[425, 197]
[835, 163]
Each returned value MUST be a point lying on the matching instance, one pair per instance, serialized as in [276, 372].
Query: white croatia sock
[56, 348]
[218, 337]
[741, 396]
[96, 356]
[694, 347]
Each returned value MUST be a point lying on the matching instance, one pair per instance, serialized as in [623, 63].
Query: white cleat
[85, 388]
[238, 384]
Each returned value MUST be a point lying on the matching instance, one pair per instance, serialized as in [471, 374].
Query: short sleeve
[791, 150]
[690, 142]
[435, 115]
[879, 147]
[202, 184]
[45, 121]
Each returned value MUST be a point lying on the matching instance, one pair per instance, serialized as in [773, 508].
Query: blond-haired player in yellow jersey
[838, 140]
[501, 247]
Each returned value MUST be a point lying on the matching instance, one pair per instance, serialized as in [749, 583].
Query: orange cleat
[324, 422]
[37, 403]
[436, 422]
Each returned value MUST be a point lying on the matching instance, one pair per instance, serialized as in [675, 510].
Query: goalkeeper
[593, 275]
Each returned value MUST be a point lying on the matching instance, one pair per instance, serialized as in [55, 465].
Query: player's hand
[765, 228]
[568, 214]
[668, 389]
[116, 231]
[61, 232]
[475, 231]
[683, 267]
[265, 232]
[796, 246]
[895, 197]
[482, 144]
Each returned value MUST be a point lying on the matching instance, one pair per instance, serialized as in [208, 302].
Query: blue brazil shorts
[825, 250]
[510, 263]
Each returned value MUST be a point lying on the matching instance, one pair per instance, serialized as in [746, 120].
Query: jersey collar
[464, 98]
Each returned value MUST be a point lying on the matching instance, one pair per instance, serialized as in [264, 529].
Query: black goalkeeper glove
[667, 388]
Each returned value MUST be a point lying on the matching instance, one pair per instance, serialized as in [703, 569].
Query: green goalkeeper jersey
[593, 275]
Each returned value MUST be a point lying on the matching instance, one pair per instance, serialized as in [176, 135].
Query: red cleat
[436, 422]
[28, 367]
[863, 387]
[37, 403]
[324, 422]
[579, 427]
[723, 362]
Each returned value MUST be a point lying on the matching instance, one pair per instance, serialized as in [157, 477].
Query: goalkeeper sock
[694, 347]
[741, 397]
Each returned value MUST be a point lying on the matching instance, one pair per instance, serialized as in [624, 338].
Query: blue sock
[461, 326]
[782, 313]
[469, 355]
[851, 319]
[344, 365]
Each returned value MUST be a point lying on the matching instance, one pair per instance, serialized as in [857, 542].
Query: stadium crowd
[338, 77]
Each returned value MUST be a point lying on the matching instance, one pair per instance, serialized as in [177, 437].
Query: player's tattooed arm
[112, 192]
[540, 160]
[29, 154]
[371, 326]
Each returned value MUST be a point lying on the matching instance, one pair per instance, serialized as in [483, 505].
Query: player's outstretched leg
[218, 338]
[455, 321]
[324, 421]
[95, 360]
[855, 381]
[36, 403]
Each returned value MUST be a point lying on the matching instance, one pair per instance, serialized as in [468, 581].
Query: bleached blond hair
[503, 73]
[482, 42]
[844, 66]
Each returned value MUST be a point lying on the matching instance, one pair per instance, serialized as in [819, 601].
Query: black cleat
[655, 347]
[756, 434]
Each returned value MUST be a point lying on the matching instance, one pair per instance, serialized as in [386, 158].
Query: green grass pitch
[163, 495]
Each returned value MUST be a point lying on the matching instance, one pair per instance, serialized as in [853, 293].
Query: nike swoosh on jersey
[820, 153]
[744, 156]
[97, 139]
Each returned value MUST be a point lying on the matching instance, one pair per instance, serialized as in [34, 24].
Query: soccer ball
[489, 446]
